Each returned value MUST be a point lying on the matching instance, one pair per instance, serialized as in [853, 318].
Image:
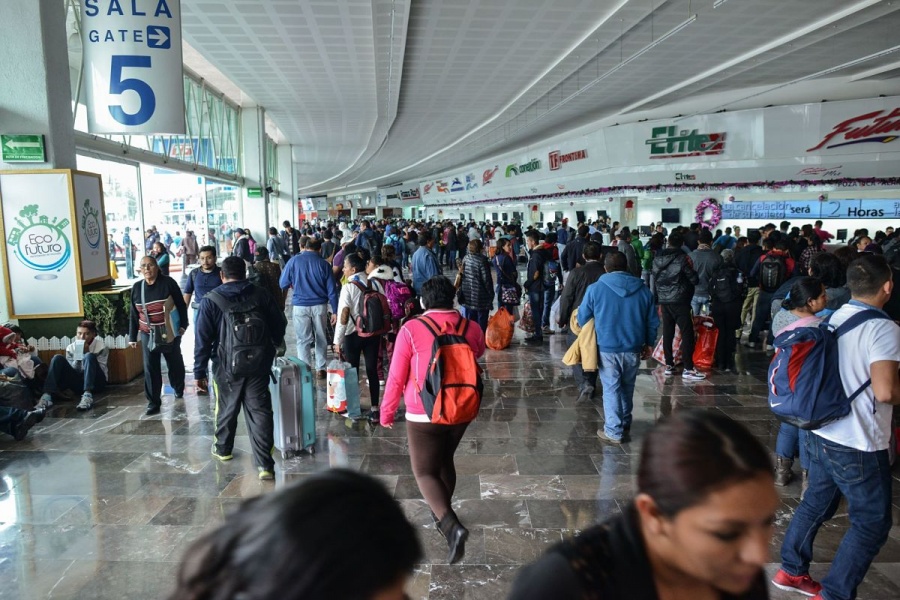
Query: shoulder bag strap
[144, 303]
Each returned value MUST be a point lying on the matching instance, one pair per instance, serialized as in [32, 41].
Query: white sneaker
[87, 401]
[670, 370]
[45, 403]
[693, 375]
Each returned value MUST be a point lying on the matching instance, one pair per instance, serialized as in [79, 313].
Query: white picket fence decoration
[57, 343]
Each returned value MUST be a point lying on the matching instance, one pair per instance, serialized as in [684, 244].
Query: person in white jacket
[84, 369]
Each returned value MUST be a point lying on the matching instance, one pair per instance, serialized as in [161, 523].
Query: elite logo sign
[874, 127]
[669, 142]
[39, 243]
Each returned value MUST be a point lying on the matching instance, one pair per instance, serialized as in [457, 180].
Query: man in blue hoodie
[314, 288]
[625, 321]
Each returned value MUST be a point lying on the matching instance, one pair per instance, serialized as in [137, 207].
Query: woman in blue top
[507, 277]
[161, 255]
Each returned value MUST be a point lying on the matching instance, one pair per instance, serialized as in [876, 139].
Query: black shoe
[179, 395]
[374, 416]
[456, 536]
[533, 341]
[25, 425]
[151, 410]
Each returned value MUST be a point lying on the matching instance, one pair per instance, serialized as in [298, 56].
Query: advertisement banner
[133, 66]
[93, 248]
[43, 278]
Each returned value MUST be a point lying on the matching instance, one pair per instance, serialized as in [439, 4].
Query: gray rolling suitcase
[294, 405]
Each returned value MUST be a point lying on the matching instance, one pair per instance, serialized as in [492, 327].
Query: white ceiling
[373, 92]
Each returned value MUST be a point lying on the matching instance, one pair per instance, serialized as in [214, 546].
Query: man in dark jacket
[291, 238]
[705, 262]
[745, 259]
[534, 283]
[675, 280]
[573, 253]
[572, 295]
[232, 392]
[477, 286]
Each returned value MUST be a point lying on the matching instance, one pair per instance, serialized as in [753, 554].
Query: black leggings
[431, 450]
[354, 346]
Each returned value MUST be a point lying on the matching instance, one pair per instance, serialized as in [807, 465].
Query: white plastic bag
[554, 316]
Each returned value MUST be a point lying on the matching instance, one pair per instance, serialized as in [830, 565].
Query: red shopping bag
[526, 323]
[706, 336]
[660, 356]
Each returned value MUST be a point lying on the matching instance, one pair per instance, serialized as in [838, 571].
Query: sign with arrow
[22, 148]
[133, 68]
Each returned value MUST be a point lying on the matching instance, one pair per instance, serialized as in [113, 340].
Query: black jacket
[534, 277]
[745, 259]
[477, 285]
[675, 277]
[211, 323]
[573, 254]
[576, 285]
[159, 308]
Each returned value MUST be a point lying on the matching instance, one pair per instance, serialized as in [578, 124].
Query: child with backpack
[434, 371]
[363, 319]
[726, 293]
[807, 297]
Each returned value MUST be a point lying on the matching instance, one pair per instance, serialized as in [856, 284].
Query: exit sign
[254, 192]
[22, 148]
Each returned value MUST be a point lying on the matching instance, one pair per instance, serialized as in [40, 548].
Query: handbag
[509, 294]
[460, 296]
[157, 339]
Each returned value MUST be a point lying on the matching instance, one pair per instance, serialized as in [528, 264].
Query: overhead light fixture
[719, 3]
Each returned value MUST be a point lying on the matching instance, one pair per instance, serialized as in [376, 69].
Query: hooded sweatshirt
[624, 314]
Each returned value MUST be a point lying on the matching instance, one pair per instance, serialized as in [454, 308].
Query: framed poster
[87, 190]
[41, 246]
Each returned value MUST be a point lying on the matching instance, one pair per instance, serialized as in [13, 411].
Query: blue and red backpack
[805, 387]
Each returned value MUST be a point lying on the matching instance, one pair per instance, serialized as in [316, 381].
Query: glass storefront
[223, 215]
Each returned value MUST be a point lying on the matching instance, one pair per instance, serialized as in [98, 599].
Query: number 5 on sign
[117, 85]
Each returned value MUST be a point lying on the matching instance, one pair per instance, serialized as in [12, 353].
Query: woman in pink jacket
[431, 446]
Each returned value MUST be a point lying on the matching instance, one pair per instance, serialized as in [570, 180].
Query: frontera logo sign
[557, 160]
[39, 243]
[90, 224]
[668, 142]
[528, 167]
[488, 176]
[870, 127]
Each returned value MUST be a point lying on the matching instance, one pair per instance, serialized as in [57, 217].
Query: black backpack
[772, 272]
[246, 347]
[374, 312]
[724, 286]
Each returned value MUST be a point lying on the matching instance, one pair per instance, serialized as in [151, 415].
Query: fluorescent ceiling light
[719, 3]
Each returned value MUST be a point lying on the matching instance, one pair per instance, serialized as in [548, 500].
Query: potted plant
[109, 309]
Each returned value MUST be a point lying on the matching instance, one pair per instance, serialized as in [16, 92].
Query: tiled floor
[102, 504]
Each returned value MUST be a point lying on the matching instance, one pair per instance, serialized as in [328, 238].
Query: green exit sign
[254, 192]
[22, 148]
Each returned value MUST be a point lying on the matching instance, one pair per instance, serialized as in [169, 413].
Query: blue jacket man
[424, 262]
[314, 289]
[625, 321]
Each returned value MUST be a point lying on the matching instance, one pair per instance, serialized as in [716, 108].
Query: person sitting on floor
[84, 369]
[17, 422]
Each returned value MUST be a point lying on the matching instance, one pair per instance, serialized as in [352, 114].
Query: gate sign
[133, 66]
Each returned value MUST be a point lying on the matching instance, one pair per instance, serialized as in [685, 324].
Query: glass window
[223, 214]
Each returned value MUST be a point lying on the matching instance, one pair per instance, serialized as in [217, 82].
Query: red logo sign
[488, 175]
[870, 127]
[442, 187]
[557, 160]
[428, 187]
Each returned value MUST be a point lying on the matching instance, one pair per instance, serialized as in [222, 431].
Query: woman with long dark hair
[508, 290]
[699, 527]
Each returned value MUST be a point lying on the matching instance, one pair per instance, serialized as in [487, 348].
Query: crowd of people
[609, 293]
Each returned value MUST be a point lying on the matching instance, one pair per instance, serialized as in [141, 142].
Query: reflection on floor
[102, 504]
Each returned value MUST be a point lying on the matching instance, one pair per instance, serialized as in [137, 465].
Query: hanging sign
[93, 246]
[133, 66]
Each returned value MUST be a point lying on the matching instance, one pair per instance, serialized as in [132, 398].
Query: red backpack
[374, 314]
[453, 386]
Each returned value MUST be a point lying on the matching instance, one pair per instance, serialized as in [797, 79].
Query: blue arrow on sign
[158, 37]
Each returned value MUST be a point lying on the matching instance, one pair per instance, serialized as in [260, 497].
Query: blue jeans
[10, 418]
[536, 300]
[310, 326]
[787, 443]
[63, 376]
[618, 371]
[479, 315]
[451, 259]
[864, 479]
[549, 299]
[698, 302]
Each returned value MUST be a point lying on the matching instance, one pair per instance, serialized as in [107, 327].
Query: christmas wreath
[715, 216]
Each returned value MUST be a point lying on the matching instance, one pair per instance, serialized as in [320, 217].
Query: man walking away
[745, 259]
[675, 280]
[314, 288]
[572, 296]
[849, 457]
[534, 283]
[245, 360]
[705, 262]
[626, 322]
[424, 262]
